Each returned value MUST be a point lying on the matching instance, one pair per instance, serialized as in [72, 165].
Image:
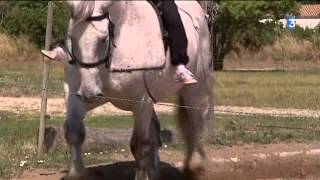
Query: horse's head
[89, 35]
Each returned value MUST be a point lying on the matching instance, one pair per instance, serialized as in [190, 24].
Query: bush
[29, 18]
[289, 47]
[298, 42]
[259, 35]
[17, 49]
[312, 35]
[237, 22]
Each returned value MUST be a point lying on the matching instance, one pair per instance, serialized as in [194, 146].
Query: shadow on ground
[126, 171]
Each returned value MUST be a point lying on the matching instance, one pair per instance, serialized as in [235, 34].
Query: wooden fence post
[46, 70]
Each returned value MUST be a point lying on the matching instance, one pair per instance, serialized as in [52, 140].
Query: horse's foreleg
[145, 142]
[75, 135]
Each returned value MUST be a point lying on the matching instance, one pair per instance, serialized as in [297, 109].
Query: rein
[106, 60]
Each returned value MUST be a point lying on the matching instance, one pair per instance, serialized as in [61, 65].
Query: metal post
[46, 69]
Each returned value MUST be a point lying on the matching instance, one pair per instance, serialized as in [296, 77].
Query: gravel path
[56, 106]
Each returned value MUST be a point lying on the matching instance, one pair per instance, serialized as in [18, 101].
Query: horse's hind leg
[194, 115]
[145, 143]
[75, 134]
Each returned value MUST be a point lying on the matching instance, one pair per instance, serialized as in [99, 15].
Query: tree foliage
[239, 22]
[29, 18]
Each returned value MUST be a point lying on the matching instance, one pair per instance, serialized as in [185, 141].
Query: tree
[237, 21]
[29, 18]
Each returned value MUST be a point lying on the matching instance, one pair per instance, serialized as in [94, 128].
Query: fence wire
[249, 127]
[213, 110]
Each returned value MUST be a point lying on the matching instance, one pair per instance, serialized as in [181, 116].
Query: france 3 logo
[291, 22]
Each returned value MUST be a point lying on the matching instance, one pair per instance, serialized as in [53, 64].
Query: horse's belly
[125, 90]
[161, 84]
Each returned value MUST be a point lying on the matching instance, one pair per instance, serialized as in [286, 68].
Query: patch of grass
[287, 51]
[15, 131]
[291, 48]
[230, 130]
[278, 89]
[18, 141]
[17, 49]
[25, 79]
[4, 171]
[167, 121]
[21, 69]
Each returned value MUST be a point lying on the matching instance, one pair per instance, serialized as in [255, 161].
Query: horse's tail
[204, 70]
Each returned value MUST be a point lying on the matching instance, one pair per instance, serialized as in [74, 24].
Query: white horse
[136, 25]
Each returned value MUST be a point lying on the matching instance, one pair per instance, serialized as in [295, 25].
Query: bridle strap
[75, 61]
[98, 18]
[90, 65]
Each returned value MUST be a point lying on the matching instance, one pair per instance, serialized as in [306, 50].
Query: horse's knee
[74, 132]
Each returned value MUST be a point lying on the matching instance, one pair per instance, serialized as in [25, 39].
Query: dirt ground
[56, 106]
[276, 161]
[270, 162]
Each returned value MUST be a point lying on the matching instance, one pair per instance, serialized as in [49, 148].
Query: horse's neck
[119, 11]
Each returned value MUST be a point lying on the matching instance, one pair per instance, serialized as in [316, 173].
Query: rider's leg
[177, 41]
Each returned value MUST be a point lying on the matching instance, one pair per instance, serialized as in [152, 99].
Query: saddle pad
[138, 43]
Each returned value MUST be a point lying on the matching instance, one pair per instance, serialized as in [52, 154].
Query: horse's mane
[82, 10]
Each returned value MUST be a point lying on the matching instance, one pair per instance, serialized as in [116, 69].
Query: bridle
[75, 61]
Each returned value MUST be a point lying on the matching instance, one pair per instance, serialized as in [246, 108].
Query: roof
[310, 10]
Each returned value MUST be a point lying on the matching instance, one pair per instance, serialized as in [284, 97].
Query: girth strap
[145, 83]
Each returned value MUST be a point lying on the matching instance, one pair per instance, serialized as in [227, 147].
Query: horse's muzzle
[86, 96]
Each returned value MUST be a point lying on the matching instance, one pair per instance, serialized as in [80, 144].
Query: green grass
[280, 89]
[18, 136]
[18, 141]
[231, 130]
[25, 79]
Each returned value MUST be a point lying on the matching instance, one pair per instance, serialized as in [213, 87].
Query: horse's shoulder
[143, 8]
[191, 7]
